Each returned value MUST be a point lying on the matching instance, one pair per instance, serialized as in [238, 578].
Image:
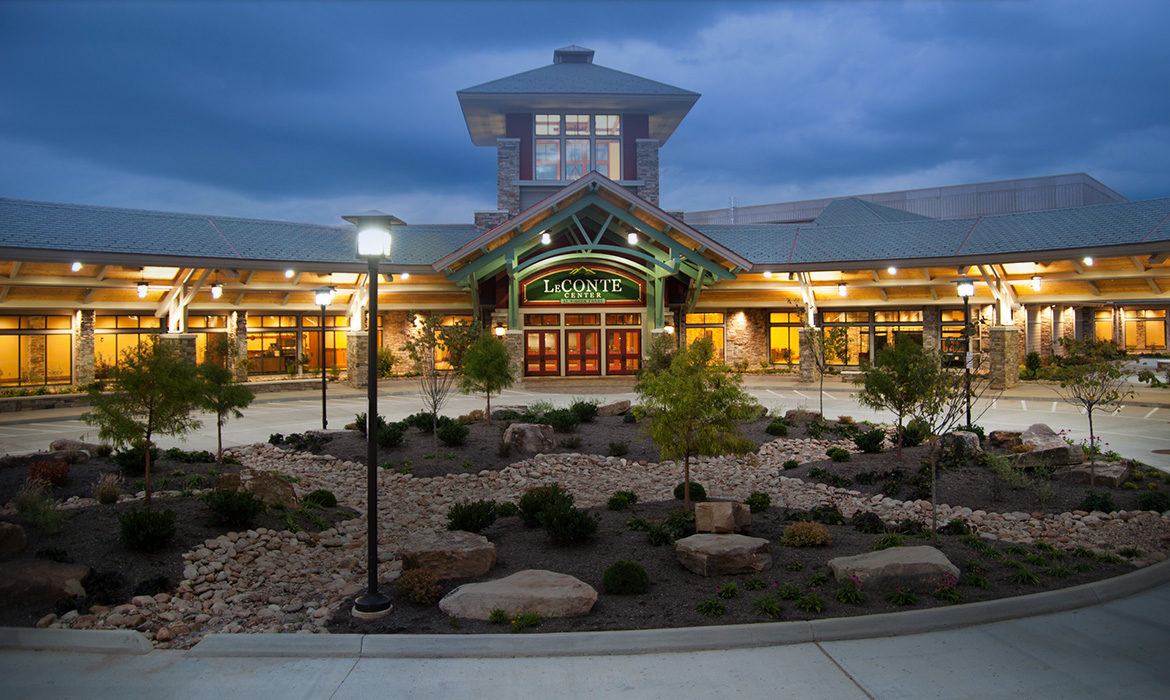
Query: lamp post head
[499, 330]
[323, 296]
[373, 232]
[966, 288]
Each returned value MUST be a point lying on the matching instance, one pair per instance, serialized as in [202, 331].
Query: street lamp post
[373, 244]
[323, 297]
[966, 290]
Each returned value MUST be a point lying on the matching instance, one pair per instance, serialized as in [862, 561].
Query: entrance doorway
[542, 353]
[623, 351]
[582, 352]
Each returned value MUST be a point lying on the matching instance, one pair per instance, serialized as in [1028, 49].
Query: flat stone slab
[1047, 448]
[1107, 473]
[40, 580]
[719, 554]
[533, 590]
[449, 554]
[722, 517]
[615, 408]
[919, 568]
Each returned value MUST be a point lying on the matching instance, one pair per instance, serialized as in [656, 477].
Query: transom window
[569, 146]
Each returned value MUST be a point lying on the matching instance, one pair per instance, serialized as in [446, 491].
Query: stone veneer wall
[395, 333]
[647, 169]
[357, 347]
[485, 220]
[808, 368]
[238, 345]
[1046, 313]
[183, 342]
[507, 173]
[931, 329]
[1004, 357]
[84, 360]
[746, 337]
[514, 341]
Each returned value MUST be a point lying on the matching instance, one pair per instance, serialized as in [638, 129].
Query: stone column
[808, 367]
[1119, 326]
[746, 338]
[931, 329]
[84, 360]
[237, 333]
[183, 342]
[514, 341]
[395, 333]
[357, 347]
[1047, 324]
[1004, 356]
[647, 169]
[507, 174]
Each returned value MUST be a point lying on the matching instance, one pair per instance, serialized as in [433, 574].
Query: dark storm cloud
[298, 110]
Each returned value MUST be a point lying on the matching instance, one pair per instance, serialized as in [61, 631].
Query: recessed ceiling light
[545, 238]
[632, 238]
[892, 270]
[76, 266]
[767, 274]
[404, 276]
[289, 273]
[1087, 260]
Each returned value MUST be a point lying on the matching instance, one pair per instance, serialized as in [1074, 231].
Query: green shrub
[562, 420]
[777, 427]
[108, 488]
[625, 577]
[1098, 500]
[838, 454]
[419, 586]
[1154, 500]
[618, 448]
[758, 502]
[902, 598]
[1023, 576]
[585, 410]
[790, 464]
[132, 459]
[50, 471]
[868, 522]
[870, 441]
[916, 432]
[320, 498]
[710, 607]
[453, 433]
[810, 603]
[385, 363]
[147, 530]
[565, 524]
[422, 421]
[794, 566]
[769, 606]
[955, 526]
[849, 593]
[498, 616]
[471, 516]
[638, 525]
[176, 454]
[698, 493]
[805, 534]
[680, 524]
[621, 500]
[754, 583]
[32, 503]
[507, 509]
[537, 500]
[234, 508]
[728, 591]
[629, 418]
[572, 442]
[789, 591]
[526, 620]
[974, 581]
[888, 540]
[657, 535]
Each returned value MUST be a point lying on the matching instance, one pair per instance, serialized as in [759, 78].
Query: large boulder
[449, 554]
[503, 412]
[40, 581]
[546, 593]
[961, 445]
[529, 438]
[800, 415]
[1006, 439]
[270, 487]
[716, 555]
[919, 568]
[68, 445]
[1045, 448]
[12, 540]
[1103, 474]
[616, 408]
[473, 416]
[722, 517]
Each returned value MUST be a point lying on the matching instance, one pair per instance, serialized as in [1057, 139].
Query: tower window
[574, 148]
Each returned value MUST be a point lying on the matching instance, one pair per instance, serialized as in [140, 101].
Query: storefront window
[442, 354]
[857, 332]
[706, 325]
[115, 335]
[1103, 325]
[1145, 329]
[889, 326]
[35, 350]
[784, 337]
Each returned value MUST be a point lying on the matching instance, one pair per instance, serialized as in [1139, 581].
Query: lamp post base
[371, 607]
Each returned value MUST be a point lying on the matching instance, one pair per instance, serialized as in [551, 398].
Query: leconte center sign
[583, 284]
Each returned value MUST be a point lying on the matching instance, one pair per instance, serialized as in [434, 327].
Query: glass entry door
[583, 352]
[542, 353]
[623, 351]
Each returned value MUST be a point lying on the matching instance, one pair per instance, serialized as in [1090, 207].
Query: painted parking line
[1023, 404]
[801, 395]
[1053, 410]
[775, 393]
[1152, 412]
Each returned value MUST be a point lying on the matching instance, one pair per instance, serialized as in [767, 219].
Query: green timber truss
[593, 227]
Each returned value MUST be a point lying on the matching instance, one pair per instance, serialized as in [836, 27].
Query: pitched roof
[75, 228]
[576, 78]
[852, 210]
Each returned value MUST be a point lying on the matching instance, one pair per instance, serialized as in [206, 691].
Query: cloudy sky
[307, 111]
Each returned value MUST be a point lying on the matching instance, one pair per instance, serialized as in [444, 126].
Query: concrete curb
[80, 641]
[682, 639]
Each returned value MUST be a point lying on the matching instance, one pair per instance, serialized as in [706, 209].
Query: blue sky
[308, 111]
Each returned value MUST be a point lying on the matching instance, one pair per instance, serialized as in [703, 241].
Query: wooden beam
[1153, 285]
[14, 269]
[1137, 263]
[1157, 258]
[102, 272]
[4, 293]
[1093, 288]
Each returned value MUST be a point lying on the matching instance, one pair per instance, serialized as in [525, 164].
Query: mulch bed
[675, 592]
[165, 475]
[482, 449]
[972, 485]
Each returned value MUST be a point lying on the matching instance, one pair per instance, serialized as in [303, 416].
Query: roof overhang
[139, 259]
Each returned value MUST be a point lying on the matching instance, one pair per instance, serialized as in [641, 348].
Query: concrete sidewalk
[1112, 650]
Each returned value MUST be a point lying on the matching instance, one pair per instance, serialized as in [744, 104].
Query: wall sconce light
[216, 290]
[500, 330]
[668, 328]
[404, 276]
[289, 273]
[142, 290]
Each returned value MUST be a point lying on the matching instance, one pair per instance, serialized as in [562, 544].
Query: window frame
[594, 135]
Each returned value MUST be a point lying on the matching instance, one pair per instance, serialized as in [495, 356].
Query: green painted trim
[583, 250]
[676, 250]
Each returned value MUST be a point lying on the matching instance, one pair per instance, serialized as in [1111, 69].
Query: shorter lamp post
[373, 244]
[323, 297]
[966, 289]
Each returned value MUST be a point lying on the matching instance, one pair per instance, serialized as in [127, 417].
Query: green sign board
[583, 284]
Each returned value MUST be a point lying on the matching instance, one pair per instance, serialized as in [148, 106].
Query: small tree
[1094, 380]
[824, 348]
[485, 369]
[153, 392]
[693, 406]
[221, 395]
[435, 385]
[901, 378]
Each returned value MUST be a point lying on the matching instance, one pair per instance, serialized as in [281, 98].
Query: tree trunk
[218, 440]
[146, 479]
[1092, 453]
[687, 481]
[934, 454]
[901, 433]
[821, 394]
[488, 415]
[435, 432]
